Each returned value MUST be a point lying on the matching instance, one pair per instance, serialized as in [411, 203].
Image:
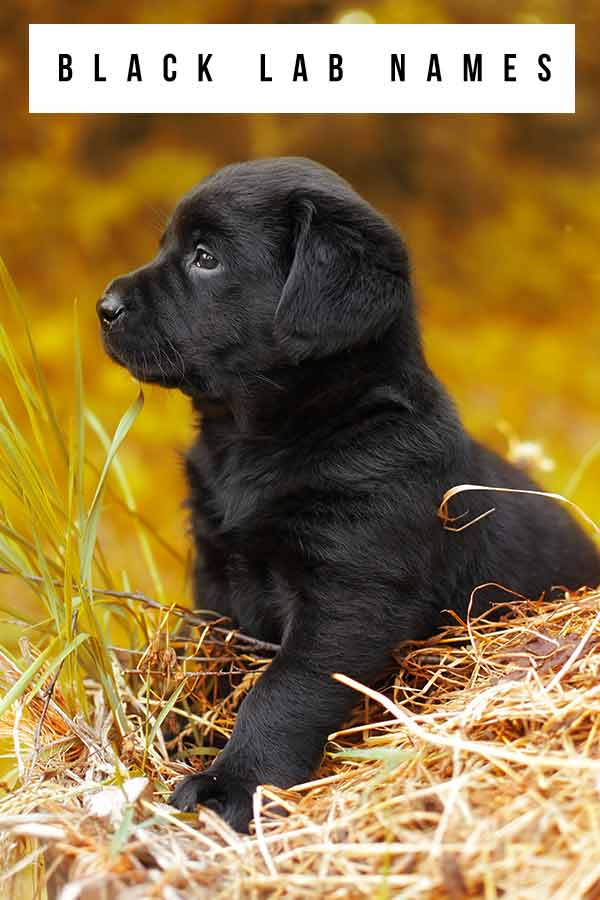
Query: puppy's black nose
[110, 307]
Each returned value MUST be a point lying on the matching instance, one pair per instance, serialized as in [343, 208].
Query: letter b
[65, 66]
[336, 73]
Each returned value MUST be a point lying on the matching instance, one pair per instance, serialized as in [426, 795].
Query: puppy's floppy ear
[347, 283]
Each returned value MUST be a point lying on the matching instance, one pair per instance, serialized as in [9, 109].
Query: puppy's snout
[110, 309]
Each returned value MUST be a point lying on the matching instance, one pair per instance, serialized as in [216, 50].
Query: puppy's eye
[205, 260]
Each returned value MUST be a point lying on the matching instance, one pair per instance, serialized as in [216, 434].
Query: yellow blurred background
[501, 214]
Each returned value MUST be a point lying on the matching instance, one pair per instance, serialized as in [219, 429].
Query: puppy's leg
[282, 725]
[210, 582]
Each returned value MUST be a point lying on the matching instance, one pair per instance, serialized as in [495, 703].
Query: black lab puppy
[281, 303]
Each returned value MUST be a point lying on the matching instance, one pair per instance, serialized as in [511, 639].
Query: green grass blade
[384, 754]
[22, 683]
[77, 459]
[165, 710]
[90, 531]
[130, 503]
[13, 295]
[66, 651]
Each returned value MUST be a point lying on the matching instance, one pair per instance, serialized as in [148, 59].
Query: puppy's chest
[239, 504]
[235, 491]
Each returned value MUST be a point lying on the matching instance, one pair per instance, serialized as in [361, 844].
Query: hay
[474, 772]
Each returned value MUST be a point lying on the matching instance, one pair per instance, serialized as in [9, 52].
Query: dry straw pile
[473, 771]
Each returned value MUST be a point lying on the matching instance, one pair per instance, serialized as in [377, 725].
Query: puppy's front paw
[228, 796]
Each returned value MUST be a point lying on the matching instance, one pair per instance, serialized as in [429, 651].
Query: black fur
[325, 449]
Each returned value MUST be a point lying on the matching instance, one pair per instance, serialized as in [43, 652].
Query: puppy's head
[263, 265]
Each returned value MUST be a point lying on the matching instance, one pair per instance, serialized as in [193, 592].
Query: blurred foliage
[501, 215]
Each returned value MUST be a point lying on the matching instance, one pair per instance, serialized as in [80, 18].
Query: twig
[40, 723]
[188, 617]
